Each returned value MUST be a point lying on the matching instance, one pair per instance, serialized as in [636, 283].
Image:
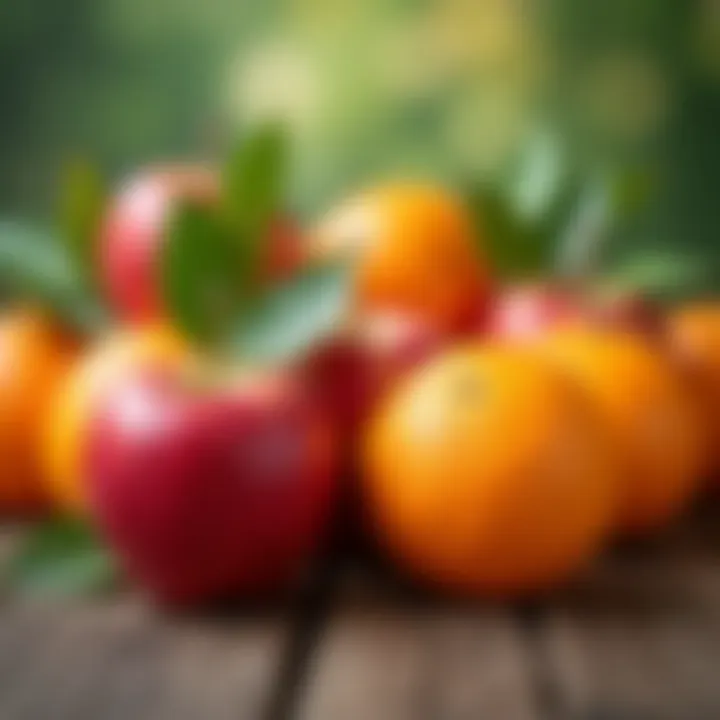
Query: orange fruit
[648, 412]
[486, 472]
[694, 342]
[35, 356]
[69, 418]
[415, 252]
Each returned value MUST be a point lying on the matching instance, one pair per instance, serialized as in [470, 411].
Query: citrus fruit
[486, 472]
[693, 334]
[66, 427]
[35, 356]
[648, 412]
[414, 249]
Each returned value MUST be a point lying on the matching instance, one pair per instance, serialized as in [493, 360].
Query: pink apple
[208, 492]
[132, 234]
[351, 372]
[523, 312]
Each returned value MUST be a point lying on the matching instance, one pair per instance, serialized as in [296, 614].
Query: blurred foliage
[457, 90]
[213, 263]
[124, 82]
[81, 205]
[62, 558]
[255, 179]
[35, 266]
[291, 318]
[199, 273]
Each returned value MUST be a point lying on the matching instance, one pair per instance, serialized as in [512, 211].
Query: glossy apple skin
[132, 233]
[351, 372]
[210, 494]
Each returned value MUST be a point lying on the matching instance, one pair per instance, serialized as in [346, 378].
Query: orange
[415, 251]
[486, 472]
[69, 418]
[694, 340]
[35, 356]
[648, 412]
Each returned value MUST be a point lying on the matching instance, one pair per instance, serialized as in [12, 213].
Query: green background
[461, 90]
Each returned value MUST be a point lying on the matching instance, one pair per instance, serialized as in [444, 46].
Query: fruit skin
[35, 356]
[351, 372]
[132, 233]
[622, 310]
[654, 425]
[207, 492]
[487, 473]
[415, 252]
[67, 423]
[693, 341]
[524, 312]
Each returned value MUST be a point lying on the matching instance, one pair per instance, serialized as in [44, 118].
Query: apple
[522, 312]
[354, 369]
[132, 232]
[626, 310]
[208, 491]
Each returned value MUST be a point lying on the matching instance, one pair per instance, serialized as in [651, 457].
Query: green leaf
[514, 248]
[632, 190]
[62, 558]
[198, 278]
[255, 177]
[538, 178]
[580, 244]
[34, 266]
[549, 227]
[82, 204]
[292, 317]
[662, 274]
[254, 188]
[606, 202]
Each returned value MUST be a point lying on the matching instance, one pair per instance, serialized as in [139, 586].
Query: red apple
[132, 234]
[208, 492]
[351, 372]
[626, 310]
[523, 312]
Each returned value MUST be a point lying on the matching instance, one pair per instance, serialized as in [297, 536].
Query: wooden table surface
[637, 638]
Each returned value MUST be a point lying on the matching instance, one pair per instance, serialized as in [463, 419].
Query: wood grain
[639, 639]
[419, 664]
[636, 638]
[119, 660]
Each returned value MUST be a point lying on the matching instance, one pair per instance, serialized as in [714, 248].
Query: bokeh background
[523, 93]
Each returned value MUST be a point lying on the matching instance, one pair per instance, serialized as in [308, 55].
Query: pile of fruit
[213, 378]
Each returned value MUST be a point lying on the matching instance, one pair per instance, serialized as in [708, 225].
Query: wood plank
[409, 663]
[640, 638]
[119, 659]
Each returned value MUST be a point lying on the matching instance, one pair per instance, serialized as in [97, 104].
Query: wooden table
[637, 638]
